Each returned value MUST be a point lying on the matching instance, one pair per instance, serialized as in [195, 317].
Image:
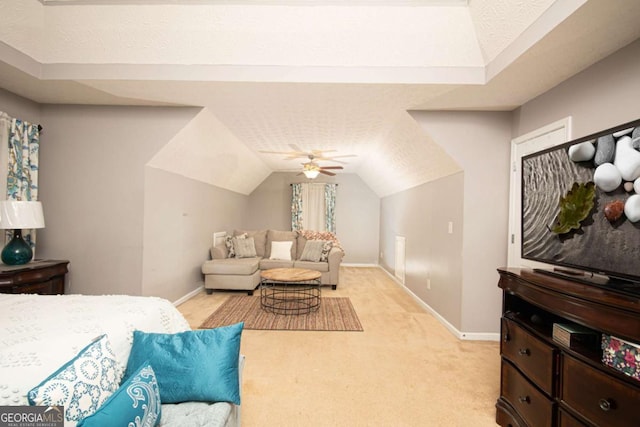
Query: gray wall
[602, 96]
[92, 185]
[480, 143]
[21, 108]
[180, 216]
[421, 215]
[357, 212]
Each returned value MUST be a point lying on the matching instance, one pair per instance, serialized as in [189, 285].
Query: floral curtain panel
[23, 144]
[301, 203]
[24, 148]
[296, 207]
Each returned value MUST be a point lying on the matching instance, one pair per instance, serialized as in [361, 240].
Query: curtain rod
[334, 183]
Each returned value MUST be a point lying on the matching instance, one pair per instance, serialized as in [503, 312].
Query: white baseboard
[355, 264]
[467, 336]
[190, 295]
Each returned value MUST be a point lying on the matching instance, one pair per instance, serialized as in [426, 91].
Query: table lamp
[18, 216]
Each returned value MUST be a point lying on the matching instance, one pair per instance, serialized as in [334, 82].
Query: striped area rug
[334, 314]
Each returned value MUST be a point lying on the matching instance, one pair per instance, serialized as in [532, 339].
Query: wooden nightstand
[45, 277]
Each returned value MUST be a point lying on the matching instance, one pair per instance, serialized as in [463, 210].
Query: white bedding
[39, 333]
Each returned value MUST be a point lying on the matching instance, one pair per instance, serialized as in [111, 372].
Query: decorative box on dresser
[545, 383]
[44, 277]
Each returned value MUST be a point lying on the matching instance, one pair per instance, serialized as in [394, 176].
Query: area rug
[334, 314]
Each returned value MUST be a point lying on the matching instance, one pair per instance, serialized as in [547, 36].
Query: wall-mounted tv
[580, 207]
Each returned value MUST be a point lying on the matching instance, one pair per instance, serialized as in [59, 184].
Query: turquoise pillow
[82, 384]
[197, 365]
[135, 403]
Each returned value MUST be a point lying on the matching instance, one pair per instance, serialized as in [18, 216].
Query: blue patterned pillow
[135, 403]
[199, 365]
[82, 384]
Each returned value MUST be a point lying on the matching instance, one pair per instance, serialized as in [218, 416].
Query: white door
[548, 136]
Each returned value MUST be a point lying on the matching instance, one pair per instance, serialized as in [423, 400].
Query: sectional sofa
[223, 272]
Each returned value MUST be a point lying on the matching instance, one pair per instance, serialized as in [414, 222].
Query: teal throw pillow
[82, 384]
[135, 403]
[199, 365]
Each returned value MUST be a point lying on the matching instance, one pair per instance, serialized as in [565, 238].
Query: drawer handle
[606, 405]
[524, 352]
[524, 399]
[506, 338]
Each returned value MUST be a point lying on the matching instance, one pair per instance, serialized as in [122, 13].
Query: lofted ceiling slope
[312, 73]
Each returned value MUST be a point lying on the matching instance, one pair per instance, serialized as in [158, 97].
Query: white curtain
[313, 207]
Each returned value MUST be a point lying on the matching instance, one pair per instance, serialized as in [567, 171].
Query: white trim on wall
[466, 336]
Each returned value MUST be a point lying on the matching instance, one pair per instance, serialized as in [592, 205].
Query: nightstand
[45, 277]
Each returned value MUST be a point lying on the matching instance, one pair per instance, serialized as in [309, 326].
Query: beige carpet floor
[405, 369]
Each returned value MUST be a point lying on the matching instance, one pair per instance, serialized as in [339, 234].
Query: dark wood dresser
[547, 384]
[44, 277]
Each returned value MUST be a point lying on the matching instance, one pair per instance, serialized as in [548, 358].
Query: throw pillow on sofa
[281, 251]
[326, 248]
[259, 239]
[244, 247]
[228, 242]
[282, 236]
[312, 250]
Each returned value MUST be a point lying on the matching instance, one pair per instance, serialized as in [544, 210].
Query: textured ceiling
[317, 74]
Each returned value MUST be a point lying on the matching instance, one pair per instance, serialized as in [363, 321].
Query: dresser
[44, 277]
[544, 383]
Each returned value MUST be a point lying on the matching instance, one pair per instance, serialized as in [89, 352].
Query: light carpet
[334, 314]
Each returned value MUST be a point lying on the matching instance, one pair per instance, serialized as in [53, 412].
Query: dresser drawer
[532, 405]
[600, 398]
[535, 358]
[566, 420]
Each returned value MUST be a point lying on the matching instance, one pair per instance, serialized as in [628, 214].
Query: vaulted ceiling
[316, 74]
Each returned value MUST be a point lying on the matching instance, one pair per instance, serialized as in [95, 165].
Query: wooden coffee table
[290, 290]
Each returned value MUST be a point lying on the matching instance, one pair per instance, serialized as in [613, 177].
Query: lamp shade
[21, 214]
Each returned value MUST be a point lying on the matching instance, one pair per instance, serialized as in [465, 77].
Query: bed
[39, 333]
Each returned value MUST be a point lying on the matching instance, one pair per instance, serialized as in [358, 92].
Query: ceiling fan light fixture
[311, 173]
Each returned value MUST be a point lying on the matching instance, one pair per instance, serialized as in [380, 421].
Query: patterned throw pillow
[228, 242]
[83, 384]
[135, 403]
[326, 248]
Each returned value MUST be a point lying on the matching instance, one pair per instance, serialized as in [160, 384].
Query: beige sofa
[225, 273]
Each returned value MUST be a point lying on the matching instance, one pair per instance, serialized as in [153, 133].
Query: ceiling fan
[312, 169]
[318, 155]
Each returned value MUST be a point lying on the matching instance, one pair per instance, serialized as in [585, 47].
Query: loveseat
[228, 270]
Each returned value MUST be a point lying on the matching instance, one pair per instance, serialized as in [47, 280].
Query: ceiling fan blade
[328, 159]
[274, 152]
[297, 149]
[331, 167]
[342, 155]
[327, 172]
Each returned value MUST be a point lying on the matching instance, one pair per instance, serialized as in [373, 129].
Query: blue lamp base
[17, 251]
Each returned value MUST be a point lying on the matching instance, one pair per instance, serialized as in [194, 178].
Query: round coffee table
[290, 290]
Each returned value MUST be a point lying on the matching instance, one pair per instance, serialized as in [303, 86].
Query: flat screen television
[608, 248]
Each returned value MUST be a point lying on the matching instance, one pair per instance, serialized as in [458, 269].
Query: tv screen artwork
[581, 204]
